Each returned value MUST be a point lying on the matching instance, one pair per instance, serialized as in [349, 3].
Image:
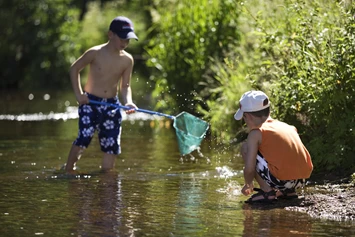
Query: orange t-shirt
[284, 151]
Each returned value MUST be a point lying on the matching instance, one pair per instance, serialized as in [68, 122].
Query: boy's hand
[82, 99]
[247, 189]
[133, 106]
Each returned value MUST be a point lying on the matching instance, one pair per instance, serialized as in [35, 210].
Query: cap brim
[126, 35]
[131, 35]
[238, 115]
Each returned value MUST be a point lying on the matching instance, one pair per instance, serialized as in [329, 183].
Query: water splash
[201, 155]
[233, 188]
[192, 158]
[226, 172]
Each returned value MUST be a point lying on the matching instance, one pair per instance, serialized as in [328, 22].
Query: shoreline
[327, 196]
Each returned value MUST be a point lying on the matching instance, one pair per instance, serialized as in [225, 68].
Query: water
[151, 192]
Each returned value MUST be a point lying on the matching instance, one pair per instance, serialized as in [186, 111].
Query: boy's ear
[110, 34]
[249, 115]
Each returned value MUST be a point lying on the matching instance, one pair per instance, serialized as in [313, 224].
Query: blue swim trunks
[104, 119]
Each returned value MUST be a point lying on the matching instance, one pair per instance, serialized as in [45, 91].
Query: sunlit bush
[303, 57]
[185, 36]
[314, 88]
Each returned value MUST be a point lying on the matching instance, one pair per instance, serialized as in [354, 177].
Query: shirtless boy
[110, 67]
[273, 154]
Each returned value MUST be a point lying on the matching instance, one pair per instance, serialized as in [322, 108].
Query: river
[153, 191]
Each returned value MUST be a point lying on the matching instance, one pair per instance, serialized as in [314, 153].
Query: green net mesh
[190, 132]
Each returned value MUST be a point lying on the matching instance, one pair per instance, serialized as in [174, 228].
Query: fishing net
[190, 132]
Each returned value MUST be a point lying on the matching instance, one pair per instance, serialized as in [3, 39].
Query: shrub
[186, 35]
[301, 53]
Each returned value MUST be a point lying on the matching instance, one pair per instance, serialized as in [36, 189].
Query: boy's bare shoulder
[104, 48]
[97, 48]
[91, 53]
[126, 54]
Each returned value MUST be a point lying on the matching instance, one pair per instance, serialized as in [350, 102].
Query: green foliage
[97, 20]
[204, 55]
[41, 38]
[301, 53]
[37, 39]
[185, 35]
[315, 86]
[223, 92]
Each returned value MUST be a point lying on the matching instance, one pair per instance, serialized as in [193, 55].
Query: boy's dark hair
[260, 113]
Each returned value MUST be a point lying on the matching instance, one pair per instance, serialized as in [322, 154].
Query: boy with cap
[110, 67]
[273, 154]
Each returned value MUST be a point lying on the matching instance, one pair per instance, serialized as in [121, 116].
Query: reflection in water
[100, 207]
[187, 216]
[268, 220]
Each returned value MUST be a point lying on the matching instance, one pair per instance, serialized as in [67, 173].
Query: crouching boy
[273, 153]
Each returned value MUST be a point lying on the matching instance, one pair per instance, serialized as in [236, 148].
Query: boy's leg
[284, 188]
[86, 123]
[74, 155]
[286, 194]
[288, 188]
[108, 162]
[262, 183]
[110, 137]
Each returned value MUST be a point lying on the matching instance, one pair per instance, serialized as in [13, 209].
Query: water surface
[151, 192]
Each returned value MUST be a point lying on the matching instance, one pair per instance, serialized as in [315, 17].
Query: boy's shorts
[104, 119]
[283, 185]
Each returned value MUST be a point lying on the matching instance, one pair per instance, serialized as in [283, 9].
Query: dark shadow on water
[281, 203]
[269, 219]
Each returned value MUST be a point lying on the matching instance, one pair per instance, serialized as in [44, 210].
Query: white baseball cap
[252, 101]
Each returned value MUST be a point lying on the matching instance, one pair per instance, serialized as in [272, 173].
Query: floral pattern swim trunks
[104, 119]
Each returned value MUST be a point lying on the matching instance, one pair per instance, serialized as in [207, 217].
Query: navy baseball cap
[123, 27]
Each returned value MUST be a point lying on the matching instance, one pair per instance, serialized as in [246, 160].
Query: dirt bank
[329, 201]
[333, 200]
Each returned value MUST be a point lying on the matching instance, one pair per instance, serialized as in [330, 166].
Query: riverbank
[332, 200]
[329, 201]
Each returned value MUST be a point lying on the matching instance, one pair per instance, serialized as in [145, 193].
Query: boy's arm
[125, 86]
[253, 140]
[74, 73]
